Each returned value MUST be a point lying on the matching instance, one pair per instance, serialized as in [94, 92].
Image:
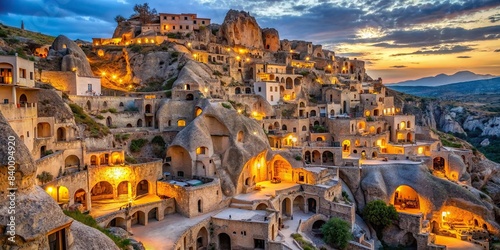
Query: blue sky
[399, 39]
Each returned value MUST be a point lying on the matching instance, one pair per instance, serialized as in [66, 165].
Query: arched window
[200, 208]
[304, 128]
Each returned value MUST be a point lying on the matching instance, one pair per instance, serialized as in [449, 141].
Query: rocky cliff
[239, 28]
[36, 213]
[73, 57]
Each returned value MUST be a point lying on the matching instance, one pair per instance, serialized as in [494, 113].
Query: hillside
[488, 86]
[443, 79]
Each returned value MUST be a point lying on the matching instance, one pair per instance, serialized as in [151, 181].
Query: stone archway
[286, 207]
[202, 238]
[142, 188]
[316, 226]
[405, 197]
[261, 206]
[101, 191]
[438, 164]
[224, 241]
[72, 161]
[311, 205]
[408, 240]
[118, 222]
[299, 203]
[139, 217]
[81, 197]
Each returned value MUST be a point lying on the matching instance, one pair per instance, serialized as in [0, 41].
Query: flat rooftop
[242, 214]
[380, 162]
[268, 190]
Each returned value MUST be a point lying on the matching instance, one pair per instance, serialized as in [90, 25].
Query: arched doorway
[346, 146]
[328, 158]
[101, 191]
[202, 238]
[89, 105]
[142, 188]
[23, 99]
[109, 121]
[261, 206]
[152, 214]
[406, 197]
[139, 123]
[81, 197]
[299, 203]
[316, 157]
[61, 134]
[311, 205]
[408, 241]
[286, 207]
[138, 217]
[118, 222]
[189, 97]
[62, 194]
[438, 164]
[224, 241]
[122, 190]
[316, 226]
[148, 108]
[72, 161]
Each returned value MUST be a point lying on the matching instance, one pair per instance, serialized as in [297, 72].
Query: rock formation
[271, 39]
[73, 57]
[239, 28]
[36, 213]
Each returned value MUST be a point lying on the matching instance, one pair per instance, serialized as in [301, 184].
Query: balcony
[19, 111]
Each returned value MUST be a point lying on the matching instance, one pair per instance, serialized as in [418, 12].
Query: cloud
[495, 18]
[399, 66]
[464, 57]
[442, 50]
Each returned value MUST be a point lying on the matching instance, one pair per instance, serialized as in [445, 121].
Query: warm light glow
[239, 111]
[248, 59]
[205, 89]
[114, 76]
[50, 189]
[121, 80]
[189, 45]
[73, 69]
[258, 165]
[103, 73]
[329, 66]
[291, 51]
[195, 55]
[294, 139]
[238, 58]
[307, 58]
[254, 113]
[118, 173]
[420, 150]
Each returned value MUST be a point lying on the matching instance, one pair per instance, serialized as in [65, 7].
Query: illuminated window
[181, 123]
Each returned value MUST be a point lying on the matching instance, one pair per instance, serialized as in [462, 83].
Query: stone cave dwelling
[259, 138]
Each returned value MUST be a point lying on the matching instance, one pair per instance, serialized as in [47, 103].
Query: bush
[45, 177]
[302, 242]
[95, 129]
[122, 137]
[337, 233]
[112, 111]
[298, 158]
[379, 215]
[136, 145]
[158, 140]
[91, 222]
[100, 117]
[226, 105]
[130, 159]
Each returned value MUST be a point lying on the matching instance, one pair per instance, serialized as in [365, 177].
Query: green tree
[45, 177]
[337, 233]
[146, 14]
[379, 215]
[120, 19]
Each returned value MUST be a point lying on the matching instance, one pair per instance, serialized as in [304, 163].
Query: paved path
[291, 226]
[161, 235]
[456, 244]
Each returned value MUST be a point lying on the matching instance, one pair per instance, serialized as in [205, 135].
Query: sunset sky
[399, 39]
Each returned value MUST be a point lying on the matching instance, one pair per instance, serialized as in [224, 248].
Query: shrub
[45, 177]
[217, 73]
[298, 158]
[302, 242]
[112, 111]
[337, 233]
[95, 129]
[226, 105]
[379, 215]
[91, 222]
[100, 117]
[158, 140]
[122, 137]
[136, 145]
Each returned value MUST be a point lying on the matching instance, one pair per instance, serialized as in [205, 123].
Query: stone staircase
[242, 204]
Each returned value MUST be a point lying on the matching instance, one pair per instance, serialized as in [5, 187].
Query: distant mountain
[443, 79]
[488, 86]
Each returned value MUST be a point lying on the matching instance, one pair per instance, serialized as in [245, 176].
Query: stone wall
[73, 182]
[50, 163]
[61, 80]
[187, 198]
